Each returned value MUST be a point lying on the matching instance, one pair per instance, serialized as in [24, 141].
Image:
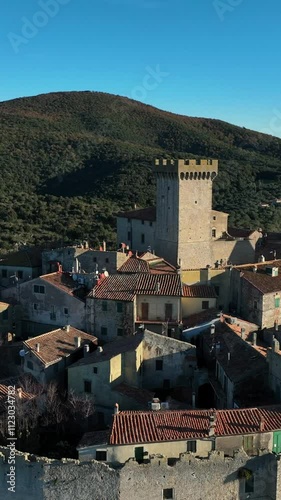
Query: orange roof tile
[132, 427]
[58, 344]
[199, 291]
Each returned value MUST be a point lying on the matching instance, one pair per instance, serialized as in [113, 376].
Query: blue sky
[211, 58]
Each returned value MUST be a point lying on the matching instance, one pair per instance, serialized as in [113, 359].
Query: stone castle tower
[183, 211]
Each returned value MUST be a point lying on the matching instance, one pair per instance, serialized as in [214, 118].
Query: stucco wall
[234, 252]
[156, 307]
[194, 305]
[135, 228]
[52, 298]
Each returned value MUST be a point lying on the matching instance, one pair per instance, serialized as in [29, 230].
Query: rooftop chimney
[86, 350]
[116, 409]
[67, 328]
[19, 392]
[212, 427]
[254, 339]
[77, 342]
[37, 347]
[104, 245]
[213, 329]
[275, 345]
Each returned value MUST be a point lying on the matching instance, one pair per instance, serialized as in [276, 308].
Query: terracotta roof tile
[199, 291]
[132, 427]
[260, 279]
[148, 214]
[152, 266]
[125, 287]
[141, 396]
[64, 282]
[58, 344]
[112, 349]
[20, 383]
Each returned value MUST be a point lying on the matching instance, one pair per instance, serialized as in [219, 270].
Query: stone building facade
[183, 228]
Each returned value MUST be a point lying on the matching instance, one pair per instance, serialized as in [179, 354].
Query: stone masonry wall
[190, 478]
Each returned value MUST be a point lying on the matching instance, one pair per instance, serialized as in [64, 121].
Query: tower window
[195, 202]
[214, 233]
[214, 217]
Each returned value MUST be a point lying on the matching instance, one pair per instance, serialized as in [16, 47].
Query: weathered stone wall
[97, 319]
[191, 478]
[135, 228]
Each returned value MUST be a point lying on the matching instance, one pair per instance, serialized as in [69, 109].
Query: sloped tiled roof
[260, 279]
[156, 265]
[148, 214]
[19, 383]
[125, 287]
[111, 349]
[132, 427]
[240, 233]
[141, 396]
[58, 344]
[199, 291]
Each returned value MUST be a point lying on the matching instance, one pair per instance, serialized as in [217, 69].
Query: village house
[18, 267]
[10, 321]
[256, 293]
[236, 358]
[130, 370]
[51, 300]
[47, 356]
[87, 259]
[120, 303]
[142, 435]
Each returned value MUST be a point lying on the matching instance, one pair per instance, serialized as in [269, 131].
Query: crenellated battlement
[190, 166]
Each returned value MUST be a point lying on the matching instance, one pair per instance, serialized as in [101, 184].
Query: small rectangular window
[101, 455]
[159, 364]
[142, 238]
[205, 304]
[4, 273]
[277, 302]
[151, 224]
[20, 275]
[168, 494]
[214, 233]
[248, 442]
[104, 305]
[142, 222]
[192, 446]
[29, 365]
[65, 311]
[255, 304]
[94, 259]
[103, 330]
[214, 217]
[107, 260]
[87, 386]
[120, 332]
[95, 369]
[119, 306]
[35, 307]
[38, 289]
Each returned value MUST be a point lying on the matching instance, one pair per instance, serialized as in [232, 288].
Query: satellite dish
[23, 353]
[74, 277]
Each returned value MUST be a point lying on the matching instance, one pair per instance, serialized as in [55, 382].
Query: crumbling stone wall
[39, 478]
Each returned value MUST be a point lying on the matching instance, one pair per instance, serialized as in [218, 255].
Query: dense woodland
[70, 160]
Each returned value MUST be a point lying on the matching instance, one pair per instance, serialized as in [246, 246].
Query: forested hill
[69, 160]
